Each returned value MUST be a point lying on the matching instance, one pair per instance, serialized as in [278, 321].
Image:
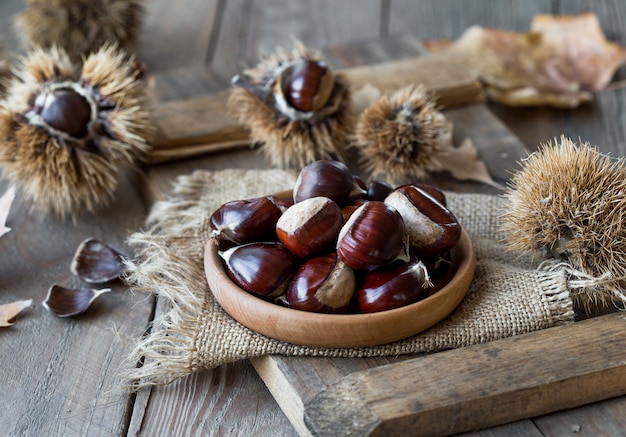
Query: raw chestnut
[393, 287]
[65, 110]
[323, 285]
[263, 269]
[431, 227]
[245, 221]
[307, 85]
[373, 237]
[327, 178]
[310, 228]
[435, 192]
[378, 190]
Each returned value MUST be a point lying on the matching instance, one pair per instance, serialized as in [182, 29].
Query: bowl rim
[329, 330]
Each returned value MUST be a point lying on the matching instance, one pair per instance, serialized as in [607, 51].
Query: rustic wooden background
[60, 377]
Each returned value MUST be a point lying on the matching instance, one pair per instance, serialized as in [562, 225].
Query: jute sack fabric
[508, 295]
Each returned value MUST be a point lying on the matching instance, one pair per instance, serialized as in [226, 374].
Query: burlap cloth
[508, 295]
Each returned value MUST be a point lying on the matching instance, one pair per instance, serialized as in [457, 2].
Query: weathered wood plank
[9, 40]
[448, 392]
[176, 34]
[62, 376]
[250, 29]
[230, 400]
[433, 19]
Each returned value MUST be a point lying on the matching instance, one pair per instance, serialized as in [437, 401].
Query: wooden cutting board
[436, 394]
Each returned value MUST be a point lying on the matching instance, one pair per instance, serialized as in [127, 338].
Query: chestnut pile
[338, 245]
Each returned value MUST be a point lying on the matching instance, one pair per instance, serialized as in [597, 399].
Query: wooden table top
[61, 377]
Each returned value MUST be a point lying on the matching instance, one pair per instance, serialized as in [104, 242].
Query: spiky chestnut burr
[64, 135]
[79, 26]
[567, 202]
[296, 107]
[401, 136]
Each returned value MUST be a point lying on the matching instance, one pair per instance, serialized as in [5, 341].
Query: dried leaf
[463, 163]
[560, 62]
[10, 310]
[69, 302]
[5, 205]
[96, 262]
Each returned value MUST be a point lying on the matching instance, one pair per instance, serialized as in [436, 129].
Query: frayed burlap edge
[196, 334]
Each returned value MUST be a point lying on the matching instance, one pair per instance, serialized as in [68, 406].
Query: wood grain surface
[60, 377]
[447, 392]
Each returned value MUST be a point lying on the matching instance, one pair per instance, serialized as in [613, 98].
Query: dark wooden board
[448, 392]
[61, 374]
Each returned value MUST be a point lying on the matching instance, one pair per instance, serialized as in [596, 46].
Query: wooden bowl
[341, 330]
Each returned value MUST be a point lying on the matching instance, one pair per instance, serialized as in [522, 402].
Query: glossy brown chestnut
[245, 221]
[435, 192]
[310, 227]
[373, 237]
[431, 227]
[307, 85]
[65, 110]
[323, 285]
[393, 287]
[327, 178]
[378, 190]
[263, 269]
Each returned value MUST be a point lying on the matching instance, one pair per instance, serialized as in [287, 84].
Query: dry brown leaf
[8, 311]
[5, 206]
[464, 164]
[560, 62]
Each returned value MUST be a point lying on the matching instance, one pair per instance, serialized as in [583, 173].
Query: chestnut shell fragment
[70, 302]
[96, 262]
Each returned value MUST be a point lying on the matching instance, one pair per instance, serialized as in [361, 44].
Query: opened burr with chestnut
[296, 107]
[64, 135]
[314, 255]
